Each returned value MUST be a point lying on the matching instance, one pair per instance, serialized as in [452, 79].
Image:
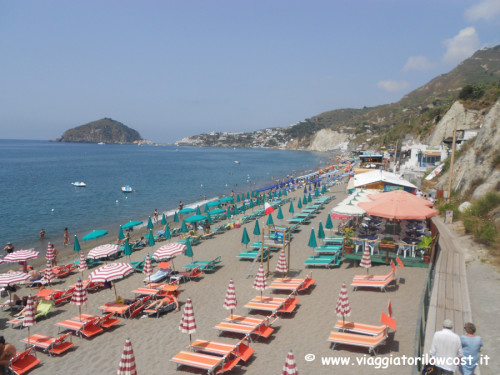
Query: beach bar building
[381, 180]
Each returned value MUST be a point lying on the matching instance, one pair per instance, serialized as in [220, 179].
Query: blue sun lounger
[323, 261]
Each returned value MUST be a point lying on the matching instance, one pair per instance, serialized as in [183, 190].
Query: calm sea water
[36, 190]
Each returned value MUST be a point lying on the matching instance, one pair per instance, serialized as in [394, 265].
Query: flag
[268, 208]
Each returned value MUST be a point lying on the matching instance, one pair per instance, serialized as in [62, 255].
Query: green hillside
[105, 130]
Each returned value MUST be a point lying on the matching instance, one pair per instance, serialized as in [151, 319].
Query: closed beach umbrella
[329, 223]
[299, 203]
[49, 274]
[94, 235]
[323, 189]
[188, 324]
[151, 238]
[309, 198]
[291, 209]
[127, 250]
[82, 265]
[245, 239]
[236, 209]
[251, 203]
[282, 265]
[238, 199]
[184, 228]
[280, 214]
[103, 251]
[150, 223]
[290, 368]
[305, 189]
[343, 308]
[321, 231]
[198, 211]
[76, 244]
[79, 296]
[256, 228]
[189, 250]
[312, 240]
[127, 360]
[29, 314]
[163, 220]
[168, 251]
[260, 282]
[148, 267]
[316, 192]
[270, 220]
[366, 261]
[176, 217]
[167, 233]
[230, 302]
[304, 200]
[120, 233]
[49, 255]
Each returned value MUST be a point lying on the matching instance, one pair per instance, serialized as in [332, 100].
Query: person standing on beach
[156, 215]
[56, 252]
[181, 205]
[9, 248]
[445, 349]
[66, 237]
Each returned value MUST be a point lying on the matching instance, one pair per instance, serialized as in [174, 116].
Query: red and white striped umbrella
[148, 267]
[21, 256]
[50, 252]
[169, 250]
[49, 274]
[290, 368]
[29, 313]
[13, 278]
[103, 251]
[127, 360]
[343, 308]
[188, 324]
[110, 272]
[366, 261]
[230, 302]
[82, 264]
[79, 296]
[260, 282]
[282, 266]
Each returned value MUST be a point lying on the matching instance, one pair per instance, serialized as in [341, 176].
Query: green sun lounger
[326, 251]
[252, 254]
[323, 261]
[333, 240]
[205, 265]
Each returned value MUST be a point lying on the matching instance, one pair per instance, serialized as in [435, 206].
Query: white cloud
[392, 86]
[417, 63]
[486, 9]
[461, 46]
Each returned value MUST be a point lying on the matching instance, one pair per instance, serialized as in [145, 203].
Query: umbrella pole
[80, 309]
[114, 287]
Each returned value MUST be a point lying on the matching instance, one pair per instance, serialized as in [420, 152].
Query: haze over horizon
[173, 69]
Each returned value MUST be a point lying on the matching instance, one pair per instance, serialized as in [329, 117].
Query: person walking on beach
[66, 237]
[181, 205]
[9, 248]
[445, 349]
[56, 252]
[471, 346]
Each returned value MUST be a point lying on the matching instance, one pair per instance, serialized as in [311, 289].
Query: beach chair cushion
[91, 328]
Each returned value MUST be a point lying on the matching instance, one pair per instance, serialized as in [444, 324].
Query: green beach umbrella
[280, 214]
[312, 240]
[76, 244]
[270, 195]
[151, 238]
[286, 193]
[195, 218]
[270, 220]
[304, 200]
[227, 199]
[309, 198]
[228, 215]
[256, 229]
[243, 207]
[316, 192]
[242, 197]
[323, 189]
[206, 209]
[299, 203]
[291, 209]
[94, 235]
[238, 199]
[280, 193]
[251, 203]
[236, 209]
[248, 195]
[131, 224]
[127, 250]
[150, 224]
[176, 217]
[163, 220]
[189, 250]
[245, 239]
[329, 223]
[321, 231]
[167, 233]
[198, 211]
[120, 233]
[184, 228]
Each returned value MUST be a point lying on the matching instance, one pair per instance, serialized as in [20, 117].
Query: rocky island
[105, 130]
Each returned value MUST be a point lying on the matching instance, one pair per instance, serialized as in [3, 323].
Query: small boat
[101, 143]
[127, 189]
[79, 184]
[236, 162]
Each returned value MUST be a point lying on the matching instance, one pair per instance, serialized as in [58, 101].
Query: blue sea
[36, 190]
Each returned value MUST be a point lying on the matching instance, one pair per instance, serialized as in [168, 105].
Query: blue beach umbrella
[120, 233]
[256, 229]
[176, 217]
[163, 220]
[131, 224]
[76, 244]
[94, 235]
[150, 223]
[280, 214]
[245, 239]
[305, 189]
[151, 238]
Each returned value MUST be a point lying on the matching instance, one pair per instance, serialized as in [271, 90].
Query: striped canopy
[282, 265]
[188, 324]
[127, 360]
[260, 282]
[230, 301]
[103, 251]
[169, 250]
[110, 272]
[343, 308]
[50, 252]
[21, 255]
[79, 296]
[366, 260]
[82, 265]
[49, 274]
[290, 368]
[13, 278]
[148, 267]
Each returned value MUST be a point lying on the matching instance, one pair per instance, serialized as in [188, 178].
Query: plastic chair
[357, 245]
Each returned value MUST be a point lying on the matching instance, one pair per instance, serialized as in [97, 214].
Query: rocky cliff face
[475, 169]
[326, 139]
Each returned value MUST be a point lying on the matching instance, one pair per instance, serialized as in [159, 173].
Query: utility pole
[452, 157]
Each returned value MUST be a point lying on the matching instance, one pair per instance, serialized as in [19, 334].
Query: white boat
[79, 184]
[236, 162]
[101, 143]
[127, 189]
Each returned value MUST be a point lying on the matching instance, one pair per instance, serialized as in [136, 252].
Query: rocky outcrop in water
[105, 130]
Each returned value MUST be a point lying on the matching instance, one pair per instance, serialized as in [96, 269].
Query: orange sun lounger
[373, 283]
[198, 360]
[240, 350]
[23, 362]
[356, 339]
[294, 285]
[260, 330]
[49, 344]
[362, 328]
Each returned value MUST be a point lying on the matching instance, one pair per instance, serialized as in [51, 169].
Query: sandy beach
[156, 341]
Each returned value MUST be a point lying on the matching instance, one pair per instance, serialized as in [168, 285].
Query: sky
[171, 69]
